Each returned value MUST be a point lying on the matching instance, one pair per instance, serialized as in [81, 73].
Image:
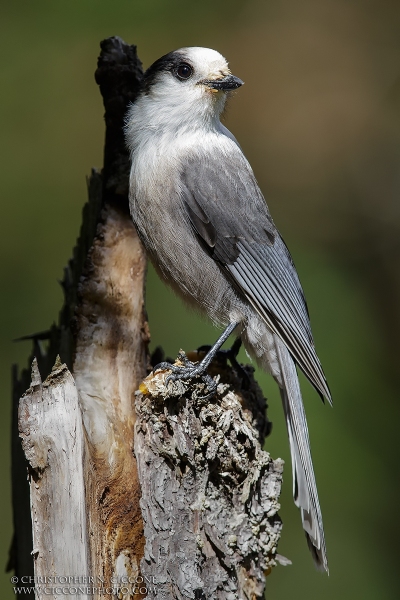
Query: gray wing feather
[228, 212]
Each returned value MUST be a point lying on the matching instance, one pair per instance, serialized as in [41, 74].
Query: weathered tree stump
[102, 337]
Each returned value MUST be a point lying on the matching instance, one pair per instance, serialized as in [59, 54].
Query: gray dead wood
[209, 492]
[53, 442]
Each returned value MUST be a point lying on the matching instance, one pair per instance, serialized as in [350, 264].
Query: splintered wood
[52, 438]
[110, 362]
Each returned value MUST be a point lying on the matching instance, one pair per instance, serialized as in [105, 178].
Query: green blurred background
[319, 120]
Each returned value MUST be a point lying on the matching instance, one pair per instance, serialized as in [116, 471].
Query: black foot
[187, 372]
[191, 370]
[231, 355]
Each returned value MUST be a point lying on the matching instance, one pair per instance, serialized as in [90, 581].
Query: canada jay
[208, 231]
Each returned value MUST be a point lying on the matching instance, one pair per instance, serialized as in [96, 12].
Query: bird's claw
[188, 372]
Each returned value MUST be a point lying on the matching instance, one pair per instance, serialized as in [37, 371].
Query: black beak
[230, 82]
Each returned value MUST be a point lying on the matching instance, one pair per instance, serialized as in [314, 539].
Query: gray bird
[207, 229]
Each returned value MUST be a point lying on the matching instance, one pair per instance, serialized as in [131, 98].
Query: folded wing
[230, 216]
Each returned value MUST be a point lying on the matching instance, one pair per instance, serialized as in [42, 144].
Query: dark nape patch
[168, 62]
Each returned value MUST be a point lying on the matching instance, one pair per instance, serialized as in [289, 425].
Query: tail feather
[304, 486]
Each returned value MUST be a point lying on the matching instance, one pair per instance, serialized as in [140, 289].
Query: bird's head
[186, 86]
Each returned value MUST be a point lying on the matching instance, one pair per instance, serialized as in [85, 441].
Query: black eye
[184, 71]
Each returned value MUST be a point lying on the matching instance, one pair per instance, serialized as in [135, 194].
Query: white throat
[164, 113]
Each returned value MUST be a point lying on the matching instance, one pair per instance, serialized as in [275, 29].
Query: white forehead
[205, 58]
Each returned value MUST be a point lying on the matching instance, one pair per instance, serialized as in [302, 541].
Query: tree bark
[194, 515]
[210, 505]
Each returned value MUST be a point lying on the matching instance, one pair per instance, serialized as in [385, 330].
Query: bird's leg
[191, 370]
[231, 354]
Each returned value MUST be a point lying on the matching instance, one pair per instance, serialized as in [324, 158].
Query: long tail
[304, 486]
